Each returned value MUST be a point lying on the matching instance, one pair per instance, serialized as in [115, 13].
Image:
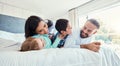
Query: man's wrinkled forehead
[90, 26]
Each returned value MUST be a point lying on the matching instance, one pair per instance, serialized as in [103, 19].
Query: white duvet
[60, 57]
[50, 57]
[109, 55]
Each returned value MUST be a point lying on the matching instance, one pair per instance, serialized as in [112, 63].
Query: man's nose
[85, 31]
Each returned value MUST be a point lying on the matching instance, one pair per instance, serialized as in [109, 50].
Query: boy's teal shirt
[48, 43]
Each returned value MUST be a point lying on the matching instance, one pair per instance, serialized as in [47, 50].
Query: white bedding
[109, 55]
[6, 45]
[18, 37]
[50, 57]
[60, 57]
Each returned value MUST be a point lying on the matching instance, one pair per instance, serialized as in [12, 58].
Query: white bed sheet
[109, 55]
[50, 57]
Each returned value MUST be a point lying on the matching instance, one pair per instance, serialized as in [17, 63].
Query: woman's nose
[46, 30]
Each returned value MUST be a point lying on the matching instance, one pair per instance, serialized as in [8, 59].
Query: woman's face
[42, 28]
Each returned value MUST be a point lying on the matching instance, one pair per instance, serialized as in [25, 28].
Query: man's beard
[83, 36]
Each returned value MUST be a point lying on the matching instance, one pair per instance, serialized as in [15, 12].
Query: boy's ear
[62, 32]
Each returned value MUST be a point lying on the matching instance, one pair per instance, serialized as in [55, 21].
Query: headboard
[12, 24]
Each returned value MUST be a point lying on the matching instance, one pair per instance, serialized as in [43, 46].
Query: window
[109, 19]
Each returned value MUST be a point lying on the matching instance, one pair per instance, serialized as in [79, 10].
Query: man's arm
[94, 46]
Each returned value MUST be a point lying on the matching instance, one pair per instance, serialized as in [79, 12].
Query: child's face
[32, 44]
[42, 28]
[39, 44]
[69, 29]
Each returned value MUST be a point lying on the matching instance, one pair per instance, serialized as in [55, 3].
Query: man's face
[88, 30]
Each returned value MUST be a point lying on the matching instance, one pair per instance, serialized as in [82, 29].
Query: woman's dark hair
[61, 24]
[31, 25]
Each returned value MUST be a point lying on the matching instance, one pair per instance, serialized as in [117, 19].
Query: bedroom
[107, 11]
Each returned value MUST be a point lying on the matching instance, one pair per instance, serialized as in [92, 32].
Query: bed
[11, 56]
[10, 42]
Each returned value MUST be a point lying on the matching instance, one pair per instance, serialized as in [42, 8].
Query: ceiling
[47, 8]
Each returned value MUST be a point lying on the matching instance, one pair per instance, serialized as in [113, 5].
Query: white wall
[87, 8]
[65, 16]
[0, 7]
[15, 11]
[95, 5]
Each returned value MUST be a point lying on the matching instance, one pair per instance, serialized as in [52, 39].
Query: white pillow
[8, 44]
[18, 37]
[6, 35]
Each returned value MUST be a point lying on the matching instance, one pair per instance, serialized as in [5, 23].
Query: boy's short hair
[61, 24]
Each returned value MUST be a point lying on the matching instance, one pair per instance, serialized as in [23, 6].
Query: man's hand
[94, 46]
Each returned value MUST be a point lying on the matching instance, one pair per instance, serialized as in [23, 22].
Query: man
[82, 38]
